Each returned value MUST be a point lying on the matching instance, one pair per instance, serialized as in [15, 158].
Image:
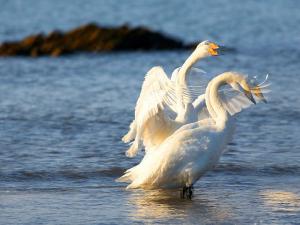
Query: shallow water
[61, 119]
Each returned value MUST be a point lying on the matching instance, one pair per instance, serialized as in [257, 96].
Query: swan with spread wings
[193, 149]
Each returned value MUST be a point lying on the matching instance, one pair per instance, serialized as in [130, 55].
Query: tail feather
[124, 178]
[129, 176]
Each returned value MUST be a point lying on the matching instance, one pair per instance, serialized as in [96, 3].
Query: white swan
[194, 148]
[164, 105]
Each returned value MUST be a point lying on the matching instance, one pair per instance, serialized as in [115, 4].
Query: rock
[91, 38]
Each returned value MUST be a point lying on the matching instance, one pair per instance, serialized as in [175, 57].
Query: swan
[193, 149]
[165, 104]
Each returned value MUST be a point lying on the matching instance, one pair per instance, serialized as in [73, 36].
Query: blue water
[61, 119]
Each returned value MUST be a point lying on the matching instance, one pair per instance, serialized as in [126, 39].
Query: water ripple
[68, 174]
[113, 172]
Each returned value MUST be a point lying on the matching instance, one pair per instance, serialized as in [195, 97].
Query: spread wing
[234, 101]
[155, 109]
[158, 92]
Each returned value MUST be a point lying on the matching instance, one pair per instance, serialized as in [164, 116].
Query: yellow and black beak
[213, 49]
[258, 93]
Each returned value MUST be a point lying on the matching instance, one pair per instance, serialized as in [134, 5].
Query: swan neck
[181, 82]
[194, 57]
[215, 107]
[208, 103]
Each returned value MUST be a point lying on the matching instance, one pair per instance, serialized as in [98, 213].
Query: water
[61, 119]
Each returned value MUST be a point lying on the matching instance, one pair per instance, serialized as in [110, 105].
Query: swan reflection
[165, 205]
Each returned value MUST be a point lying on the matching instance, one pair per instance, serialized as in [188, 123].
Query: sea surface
[62, 119]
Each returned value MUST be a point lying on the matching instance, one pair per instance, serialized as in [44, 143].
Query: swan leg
[187, 192]
[183, 192]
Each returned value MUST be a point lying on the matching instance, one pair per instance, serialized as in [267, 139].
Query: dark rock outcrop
[91, 38]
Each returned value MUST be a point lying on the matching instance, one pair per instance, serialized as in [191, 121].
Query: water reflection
[281, 201]
[166, 205]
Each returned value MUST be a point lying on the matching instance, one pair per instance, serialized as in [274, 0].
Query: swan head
[258, 89]
[250, 86]
[241, 83]
[207, 48]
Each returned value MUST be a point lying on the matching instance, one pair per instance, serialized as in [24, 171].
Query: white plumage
[185, 155]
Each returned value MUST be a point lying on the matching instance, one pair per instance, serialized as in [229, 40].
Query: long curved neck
[214, 105]
[209, 107]
[181, 83]
[194, 57]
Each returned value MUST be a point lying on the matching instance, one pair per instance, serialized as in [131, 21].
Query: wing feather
[155, 108]
[234, 101]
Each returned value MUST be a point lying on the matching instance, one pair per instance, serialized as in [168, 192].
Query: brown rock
[56, 52]
[33, 40]
[91, 38]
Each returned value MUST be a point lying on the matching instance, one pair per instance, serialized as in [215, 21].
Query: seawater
[61, 119]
